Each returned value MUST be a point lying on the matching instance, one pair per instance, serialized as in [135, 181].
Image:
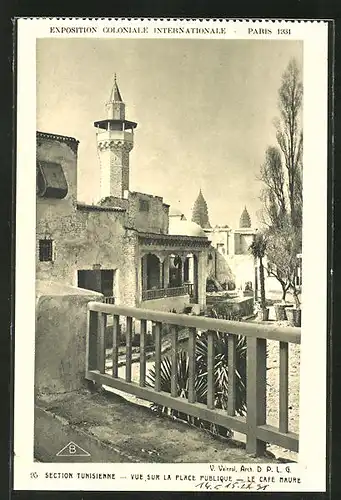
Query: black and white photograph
[171, 205]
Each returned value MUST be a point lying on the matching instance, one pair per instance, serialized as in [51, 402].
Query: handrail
[258, 330]
[254, 425]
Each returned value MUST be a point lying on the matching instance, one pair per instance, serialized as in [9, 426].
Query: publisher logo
[72, 450]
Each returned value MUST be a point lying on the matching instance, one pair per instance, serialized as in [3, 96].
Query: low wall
[241, 306]
[167, 304]
[60, 343]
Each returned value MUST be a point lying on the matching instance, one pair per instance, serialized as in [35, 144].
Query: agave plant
[182, 384]
[200, 383]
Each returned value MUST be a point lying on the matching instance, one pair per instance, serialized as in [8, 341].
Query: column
[161, 279]
[186, 269]
[182, 270]
[202, 276]
[166, 271]
[231, 243]
[144, 272]
[195, 276]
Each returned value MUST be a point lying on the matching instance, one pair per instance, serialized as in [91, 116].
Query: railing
[189, 287]
[160, 293]
[109, 300]
[254, 425]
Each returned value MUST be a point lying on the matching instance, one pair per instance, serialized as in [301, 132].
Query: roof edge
[98, 208]
[58, 137]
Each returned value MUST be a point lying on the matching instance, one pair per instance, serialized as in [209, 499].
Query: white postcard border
[312, 456]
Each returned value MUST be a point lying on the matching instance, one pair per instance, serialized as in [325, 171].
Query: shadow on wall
[223, 271]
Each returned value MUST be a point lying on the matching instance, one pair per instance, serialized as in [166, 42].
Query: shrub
[200, 383]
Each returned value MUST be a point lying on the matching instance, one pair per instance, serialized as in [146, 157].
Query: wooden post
[231, 402]
[283, 386]
[210, 370]
[157, 330]
[115, 342]
[101, 324]
[143, 332]
[191, 365]
[256, 393]
[129, 335]
[174, 355]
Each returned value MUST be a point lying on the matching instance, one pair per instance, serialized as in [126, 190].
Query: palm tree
[258, 249]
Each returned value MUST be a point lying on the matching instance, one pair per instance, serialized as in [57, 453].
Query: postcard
[171, 255]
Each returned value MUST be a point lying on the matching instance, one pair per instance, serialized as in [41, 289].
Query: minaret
[245, 220]
[115, 140]
[200, 212]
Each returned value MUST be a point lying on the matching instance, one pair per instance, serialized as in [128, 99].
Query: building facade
[229, 258]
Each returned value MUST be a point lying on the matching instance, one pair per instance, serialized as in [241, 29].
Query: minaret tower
[200, 212]
[115, 140]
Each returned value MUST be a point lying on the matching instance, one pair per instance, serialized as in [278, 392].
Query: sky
[204, 108]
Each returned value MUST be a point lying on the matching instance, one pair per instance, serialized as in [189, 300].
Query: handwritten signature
[238, 484]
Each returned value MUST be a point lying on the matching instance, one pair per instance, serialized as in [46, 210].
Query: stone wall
[167, 304]
[60, 342]
[151, 220]
[242, 243]
[224, 273]
[219, 239]
[242, 268]
[83, 237]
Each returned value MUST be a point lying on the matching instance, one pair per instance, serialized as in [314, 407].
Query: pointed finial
[115, 79]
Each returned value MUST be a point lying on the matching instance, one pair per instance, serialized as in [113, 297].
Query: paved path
[136, 434]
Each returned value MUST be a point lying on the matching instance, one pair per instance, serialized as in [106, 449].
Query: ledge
[64, 138]
[98, 208]
[70, 141]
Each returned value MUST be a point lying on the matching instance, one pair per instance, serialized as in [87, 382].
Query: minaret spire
[115, 94]
[200, 212]
[245, 219]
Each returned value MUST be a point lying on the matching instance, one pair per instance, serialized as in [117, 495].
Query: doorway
[98, 280]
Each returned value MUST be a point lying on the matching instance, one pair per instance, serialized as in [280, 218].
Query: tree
[281, 174]
[273, 194]
[282, 250]
[290, 137]
[258, 249]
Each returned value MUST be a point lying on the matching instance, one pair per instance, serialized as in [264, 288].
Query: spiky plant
[182, 384]
[200, 383]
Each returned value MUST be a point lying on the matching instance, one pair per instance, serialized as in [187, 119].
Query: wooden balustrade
[109, 300]
[254, 425]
